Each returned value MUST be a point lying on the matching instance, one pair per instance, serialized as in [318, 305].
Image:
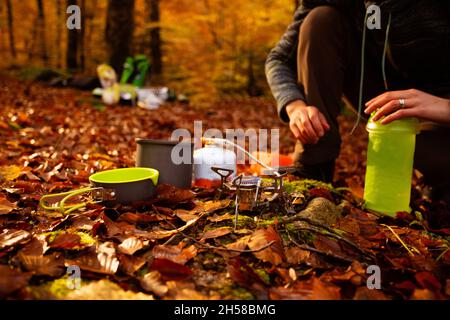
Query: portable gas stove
[254, 192]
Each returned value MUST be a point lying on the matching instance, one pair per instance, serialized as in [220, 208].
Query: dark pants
[329, 65]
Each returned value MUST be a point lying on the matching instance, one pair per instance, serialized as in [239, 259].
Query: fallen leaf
[66, 241]
[216, 233]
[130, 264]
[364, 293]
[297, 256]
[12, 280]
[247, 278]
[102, 260]
[130, 245]
[9, 173]
[274, 253]
[11, 238]
[220, 218]
[311, 289]
[177, 254]
[151, 282]
[49, 265]
[171, 270]
[240, 244]
[6, 206]
[423, 294]
[428, 281]
[140, 218]
[356, 187]
[173, 195]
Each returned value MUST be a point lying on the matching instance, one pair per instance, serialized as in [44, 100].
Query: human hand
[416, 104]
[307, 123]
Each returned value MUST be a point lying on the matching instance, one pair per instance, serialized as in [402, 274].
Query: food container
[172, 159]
[119, 186]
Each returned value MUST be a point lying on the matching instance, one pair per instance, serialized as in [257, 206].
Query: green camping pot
[118, 186]
[390, 158]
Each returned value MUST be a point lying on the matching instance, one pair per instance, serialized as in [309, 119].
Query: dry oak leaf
[274, 253]
[6, 206]
[216, 233]
[311, 289]
[177, 254]
[151, 282]
[11, 238]
[131, 245]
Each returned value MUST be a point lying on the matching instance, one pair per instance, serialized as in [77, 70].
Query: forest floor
[183, 245]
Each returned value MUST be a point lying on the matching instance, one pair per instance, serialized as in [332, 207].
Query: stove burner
[252, 192]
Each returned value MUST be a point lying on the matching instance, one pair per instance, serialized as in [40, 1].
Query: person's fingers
[324, 121]
[303, 139]
[388, 108]
[384, 98]
[316, 123]
[308, 128]
[294, 130]
[303, 132]
[403, 113]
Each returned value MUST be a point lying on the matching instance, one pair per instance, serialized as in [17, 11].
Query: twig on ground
[399, 239]
[337, 237]
[207, 246]
[327, 254]
[330, 232]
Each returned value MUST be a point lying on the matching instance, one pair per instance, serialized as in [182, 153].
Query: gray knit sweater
[419, 45]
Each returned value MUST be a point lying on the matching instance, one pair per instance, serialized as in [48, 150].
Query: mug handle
[61, 205]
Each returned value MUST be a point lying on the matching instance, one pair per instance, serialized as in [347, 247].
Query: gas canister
[215, 153]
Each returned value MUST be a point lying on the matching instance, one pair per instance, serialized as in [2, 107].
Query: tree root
[324, 253]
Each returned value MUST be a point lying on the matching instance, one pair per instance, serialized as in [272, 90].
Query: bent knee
[320, 22]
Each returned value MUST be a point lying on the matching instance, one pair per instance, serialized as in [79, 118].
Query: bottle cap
[406, 125]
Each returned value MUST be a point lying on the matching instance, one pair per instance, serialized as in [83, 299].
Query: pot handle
[67, 209]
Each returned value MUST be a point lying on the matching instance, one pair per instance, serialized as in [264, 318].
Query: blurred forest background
[206, 49]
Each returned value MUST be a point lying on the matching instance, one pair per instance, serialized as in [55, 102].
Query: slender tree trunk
[89, 15]
[119, 31]
[42, 44]
[12, 43]
[155, 38]
[60, 14]
[72, 44]
[81, 34]
[296, 4]
[251, 83]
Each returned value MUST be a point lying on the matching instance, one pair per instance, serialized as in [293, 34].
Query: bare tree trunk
[42, 42]
[72, 44]
[252, 90]
[81, 33]
[12, 43]
[296, 4]
[89, 16]
[155, 38]
[60, 19]
[119, 31]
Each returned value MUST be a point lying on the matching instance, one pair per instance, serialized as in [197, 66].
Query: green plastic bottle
[390, 158]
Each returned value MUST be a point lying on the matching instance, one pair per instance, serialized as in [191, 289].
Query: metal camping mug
[119, 186]
[173, 160]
